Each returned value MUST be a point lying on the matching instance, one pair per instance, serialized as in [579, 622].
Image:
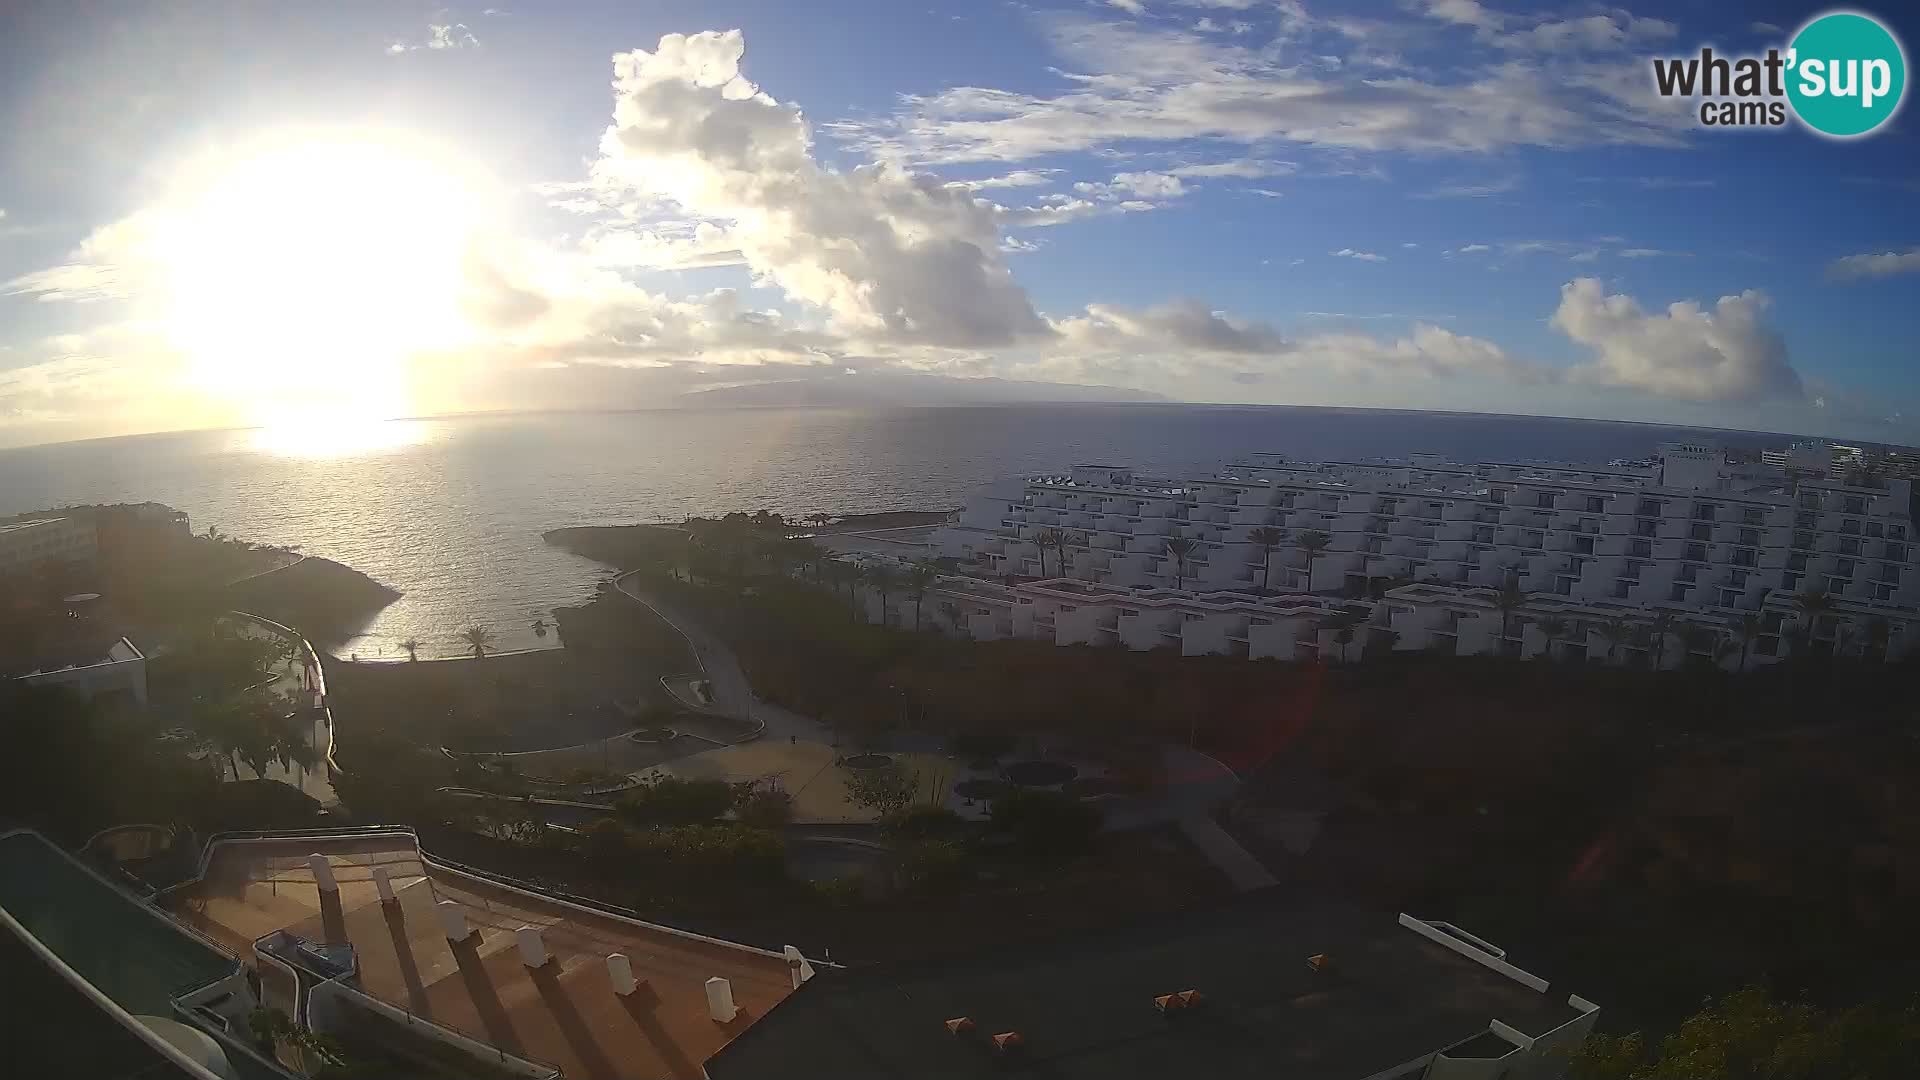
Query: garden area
[603, 684]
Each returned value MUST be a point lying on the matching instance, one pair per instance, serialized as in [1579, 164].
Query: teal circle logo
[1846, 74]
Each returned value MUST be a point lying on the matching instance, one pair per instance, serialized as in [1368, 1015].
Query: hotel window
[1737, 578]
[1896, 552]
[1728, 598]
[1845, 568]
[1797, 561]
[1883, 592]
[1648, 508]
[1790, 581]
[1803, 540]
[1849, 547]
[1544, 500]
[1620, 590]
[1700, 532]
[1849, 525]
[1696, 552]
[1595, 504]
[1873, 528]
[1810, 501]
[1704, 511]
[1836, 584]
[1753, 516]
[1641, 548]
[1645, 528]
[1679, 592]
[1855, 505]
[1896, 532]
[1745, 557]
[1806, 521]
[1750, 537]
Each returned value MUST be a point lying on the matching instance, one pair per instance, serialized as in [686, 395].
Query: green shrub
[922, 822]
[1046, 822]
[670, 800]
[927, 864]
[765, 808]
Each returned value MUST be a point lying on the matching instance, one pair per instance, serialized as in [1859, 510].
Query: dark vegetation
[327, 601]
[1748, 1035]
[1649, 838]
[606, 681]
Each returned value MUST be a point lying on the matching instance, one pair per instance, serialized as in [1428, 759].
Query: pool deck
[564, 1013]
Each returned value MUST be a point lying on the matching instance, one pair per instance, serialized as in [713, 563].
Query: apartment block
[1683, 537]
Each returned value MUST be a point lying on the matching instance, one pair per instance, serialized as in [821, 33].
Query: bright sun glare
[302, 275]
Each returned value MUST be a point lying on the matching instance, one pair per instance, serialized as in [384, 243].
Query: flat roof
[28, 524]
[565, 1014]
[1084, 1007]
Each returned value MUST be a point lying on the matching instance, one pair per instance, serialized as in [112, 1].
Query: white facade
[25, 545]
[122, 671]
[1683, 534]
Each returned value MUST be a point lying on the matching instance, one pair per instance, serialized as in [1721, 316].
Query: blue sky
[1422, 204]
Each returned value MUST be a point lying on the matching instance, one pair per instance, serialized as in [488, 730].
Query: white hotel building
[1417, 548]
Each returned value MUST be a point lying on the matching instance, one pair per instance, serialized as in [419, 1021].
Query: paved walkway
[1225, 852]
[732, 694]
[1196, 783]
[290, 687]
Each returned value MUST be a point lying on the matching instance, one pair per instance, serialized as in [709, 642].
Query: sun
[300, 273]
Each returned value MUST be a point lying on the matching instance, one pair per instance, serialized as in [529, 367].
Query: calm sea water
[450, 511]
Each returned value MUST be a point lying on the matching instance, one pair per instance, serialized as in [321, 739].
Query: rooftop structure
[416, 967]
[95, 665]
[25, 545]
[1251, 993]
[1686, 534]
[566, 1011]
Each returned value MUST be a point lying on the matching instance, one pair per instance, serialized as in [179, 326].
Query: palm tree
[1845, 638]
[1615, 632]
[1810, 605]
[1661, 626]
[1746, 626]
[412, 646]
[1555, 628]
[1266, 539]
[919, 576]
[1878, 631]
[479, 639]
[1313, 542]
[819, 519]
[1067, 540]
[1045, 539]
[540, 628]
[883, 580]
[953, 613]
[1178, 549]
[1509, 599]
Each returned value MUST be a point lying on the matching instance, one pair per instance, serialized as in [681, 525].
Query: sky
[323, 214]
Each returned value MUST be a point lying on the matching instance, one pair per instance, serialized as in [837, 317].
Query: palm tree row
[1732, 640]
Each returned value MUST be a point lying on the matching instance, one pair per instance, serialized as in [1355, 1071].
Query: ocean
[450, 511]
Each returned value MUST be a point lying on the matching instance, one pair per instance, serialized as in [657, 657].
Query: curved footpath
[1198, 783]
[732, 693]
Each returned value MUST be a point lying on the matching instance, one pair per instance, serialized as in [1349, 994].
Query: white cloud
[885, 252]
[1472, 191]
[439, 36]
[1016, 178]
[1132, 7]
[1363, 256]
[1473, 249]
[1238, 168]
[1727, 353]
[1883, 264]
[1766, 28]
[1146, 185]
[1144, 82]
[1267, 193]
